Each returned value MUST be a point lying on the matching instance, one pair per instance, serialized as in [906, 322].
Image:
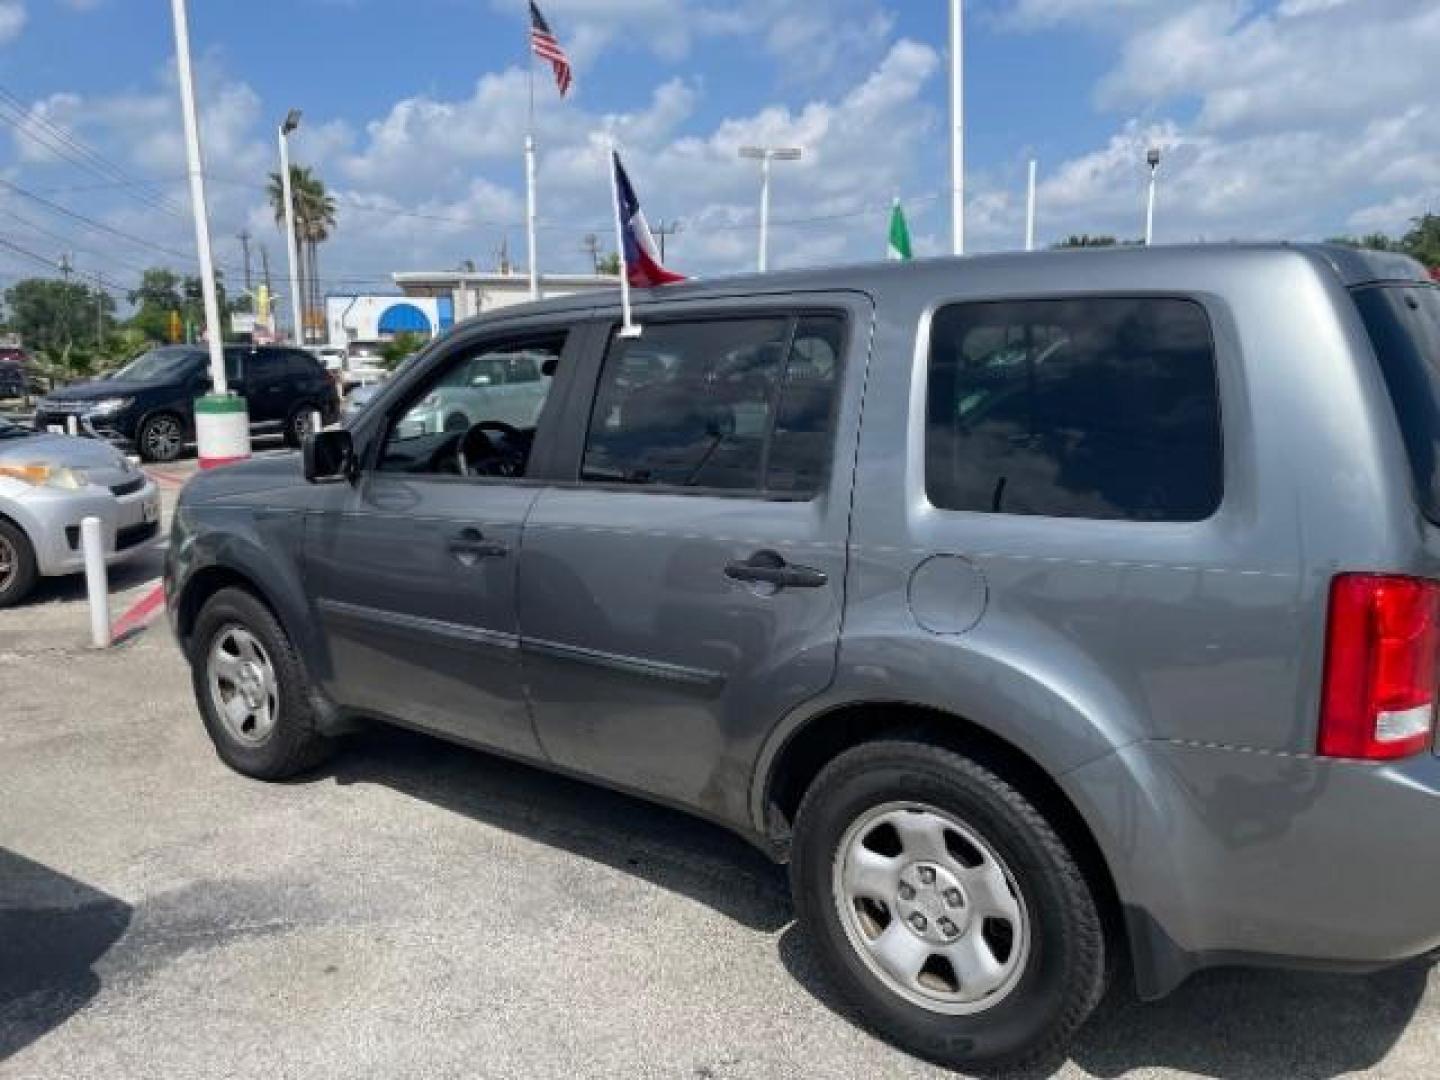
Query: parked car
[149, 405]
[360, 396]
[48, 485]
[331, 356]
[15, 378]
[1041, 610]
[505, 389]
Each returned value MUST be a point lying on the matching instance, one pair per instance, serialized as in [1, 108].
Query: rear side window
[1104, 408]
[737, 405]
[1404, 326]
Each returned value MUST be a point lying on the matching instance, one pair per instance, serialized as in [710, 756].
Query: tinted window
[160, 365]
[1095, 408]
[1404, 324]
[730, 405]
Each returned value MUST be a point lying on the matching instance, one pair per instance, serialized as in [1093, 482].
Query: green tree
[1423, 240]
[65, 325]
[608, 264]
[315, 222]
[401, 346]
[158, 295]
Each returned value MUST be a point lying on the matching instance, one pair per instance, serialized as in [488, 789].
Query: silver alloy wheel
[931, 908]
[243, 686]
[9, 561]
[162, 438]
[301, 424]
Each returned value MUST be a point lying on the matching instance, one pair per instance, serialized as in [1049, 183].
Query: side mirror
[329, 456]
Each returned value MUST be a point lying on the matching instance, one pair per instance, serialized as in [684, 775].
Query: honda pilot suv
[1040, 610]
[149, 404]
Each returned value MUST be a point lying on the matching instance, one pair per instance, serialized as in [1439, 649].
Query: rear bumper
[1223, 855]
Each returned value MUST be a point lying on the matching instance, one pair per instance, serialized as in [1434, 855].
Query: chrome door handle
[470, 546]
[769, 568]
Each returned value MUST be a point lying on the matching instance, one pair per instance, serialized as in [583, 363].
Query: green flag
[899, 235]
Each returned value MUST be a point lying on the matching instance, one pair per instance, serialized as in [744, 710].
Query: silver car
[48, 485]
[508, 388]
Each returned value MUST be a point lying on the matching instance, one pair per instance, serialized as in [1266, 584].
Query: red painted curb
[216, 462]
[140, 614]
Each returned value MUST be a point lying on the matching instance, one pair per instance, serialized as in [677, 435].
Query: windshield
[1404, 326]
[157, 364]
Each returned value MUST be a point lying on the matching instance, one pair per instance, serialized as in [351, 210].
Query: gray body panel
[1165, 676]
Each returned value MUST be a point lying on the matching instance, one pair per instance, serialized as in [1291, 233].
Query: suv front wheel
[253, 692]
[948, 912]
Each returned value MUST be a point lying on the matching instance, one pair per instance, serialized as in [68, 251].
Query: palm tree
[314, 223]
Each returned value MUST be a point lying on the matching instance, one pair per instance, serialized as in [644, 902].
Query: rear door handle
[769, 568]
[470, 546]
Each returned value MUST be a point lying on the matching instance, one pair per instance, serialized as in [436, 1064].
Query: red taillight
[1382, 661]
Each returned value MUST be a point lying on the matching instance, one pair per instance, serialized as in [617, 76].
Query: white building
[431, 302]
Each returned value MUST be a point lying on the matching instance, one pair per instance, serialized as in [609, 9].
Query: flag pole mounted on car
[222, 426]
[640, 263]
[542, 44]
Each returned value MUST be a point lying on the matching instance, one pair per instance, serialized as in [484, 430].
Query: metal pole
[196, 161]
[97, 579]
[530, 215]
[1030, 208]
[1150, 206]
[291, 244]
[765, 212]
[628, 329]
[957, 112]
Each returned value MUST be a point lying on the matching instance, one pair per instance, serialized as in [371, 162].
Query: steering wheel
[478, 454]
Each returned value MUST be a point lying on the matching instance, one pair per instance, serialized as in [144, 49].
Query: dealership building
[429, 303]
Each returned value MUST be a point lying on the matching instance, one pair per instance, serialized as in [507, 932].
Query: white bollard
[72, 425]
[316, 420]
[97, 580]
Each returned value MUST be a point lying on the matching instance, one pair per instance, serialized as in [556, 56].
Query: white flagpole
[530, 211]
[1030, 208]
[628, 329]
[957, 118]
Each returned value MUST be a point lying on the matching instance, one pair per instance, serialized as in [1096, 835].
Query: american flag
[544, 45]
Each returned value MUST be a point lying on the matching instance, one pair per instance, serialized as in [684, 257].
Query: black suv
[14, 378]
[149, 404]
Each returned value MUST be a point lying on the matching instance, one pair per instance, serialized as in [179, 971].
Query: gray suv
[1040, 610]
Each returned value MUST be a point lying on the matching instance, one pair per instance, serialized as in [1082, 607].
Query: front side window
[478, 414]
[736, 405]
[1086, 408]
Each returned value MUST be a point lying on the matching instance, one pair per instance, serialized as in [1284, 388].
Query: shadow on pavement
[673, 850]
[1230, 1024]
[52, 930]
[142, 567]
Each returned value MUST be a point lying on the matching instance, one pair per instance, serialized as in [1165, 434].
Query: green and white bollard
[222, 430]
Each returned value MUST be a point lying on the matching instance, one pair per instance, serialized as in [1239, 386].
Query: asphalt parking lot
[419, 910]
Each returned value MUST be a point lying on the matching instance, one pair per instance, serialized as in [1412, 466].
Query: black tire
[293, 745]
[19, 580]
[1061, 979]
[152, 442]
[298, 425]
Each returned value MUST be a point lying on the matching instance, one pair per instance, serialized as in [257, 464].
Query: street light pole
[1152, 158]
[292, 247]
[765, 155]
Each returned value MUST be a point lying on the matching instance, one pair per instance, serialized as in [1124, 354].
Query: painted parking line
[140, 614]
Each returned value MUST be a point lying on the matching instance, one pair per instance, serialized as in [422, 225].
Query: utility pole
[66, 266]
[666, 228]
[99, 311]
[591, 243]
[1030, 207]
[265, 266]
[244, 239]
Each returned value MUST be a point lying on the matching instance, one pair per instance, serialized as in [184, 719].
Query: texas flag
[641, 256]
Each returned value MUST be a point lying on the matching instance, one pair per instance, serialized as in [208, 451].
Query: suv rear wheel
[950, 915]
[253, 692]
[18, 572]
[300, 423]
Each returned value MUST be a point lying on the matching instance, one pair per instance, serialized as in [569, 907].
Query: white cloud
[12, 20]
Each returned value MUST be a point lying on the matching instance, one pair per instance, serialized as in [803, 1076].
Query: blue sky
[1295, 118]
